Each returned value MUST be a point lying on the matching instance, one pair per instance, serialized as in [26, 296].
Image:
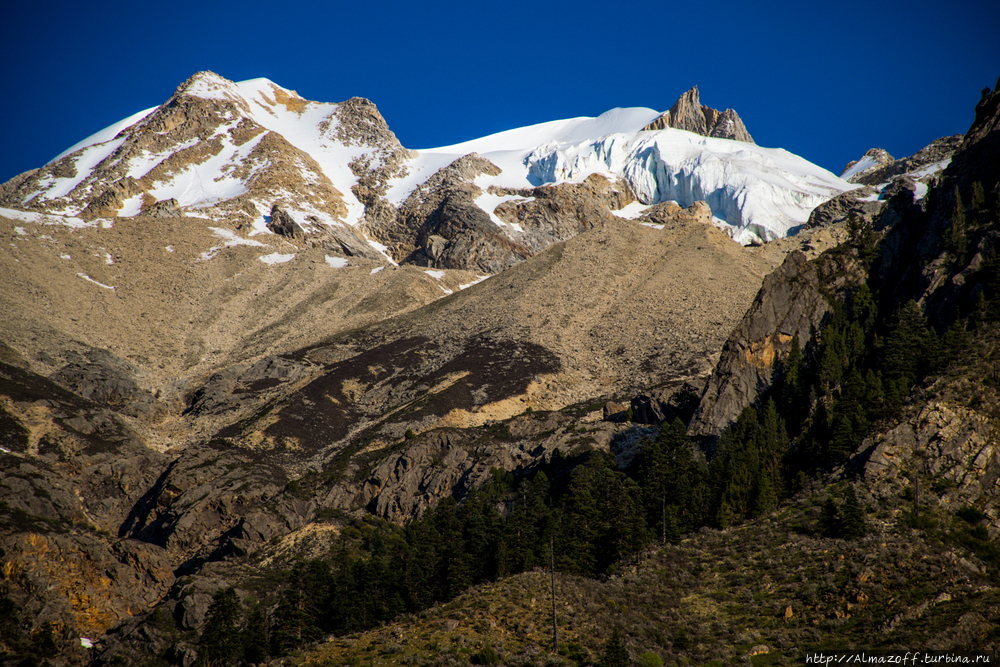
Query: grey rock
[167, 208]
[858, 203]
[664, 404]
[283, 224]
[688, 113]
[104, 378]
[791, 303]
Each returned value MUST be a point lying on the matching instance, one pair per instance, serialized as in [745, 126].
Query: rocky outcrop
[790, 305]
[880, 167]
[665, 404]
[871, 165]
[954, 446]
[862, 204]
[541, 216]
[108, 380]
[670, 215]
[439, 224]
[283, 224]
[689, 114]
[167, 208]
[914, 263]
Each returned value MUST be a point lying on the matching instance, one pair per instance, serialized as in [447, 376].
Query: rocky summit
[275, 389]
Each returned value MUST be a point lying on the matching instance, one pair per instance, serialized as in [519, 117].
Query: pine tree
[956, 240]
[220, 638]
[254, 637]
[615, 652]
[829, 519]
[978, 203]
[852, 517]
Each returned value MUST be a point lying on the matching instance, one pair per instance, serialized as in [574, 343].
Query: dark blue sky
[824, 81]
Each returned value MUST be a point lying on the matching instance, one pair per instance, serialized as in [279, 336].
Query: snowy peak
[688, 113]
[230, 152]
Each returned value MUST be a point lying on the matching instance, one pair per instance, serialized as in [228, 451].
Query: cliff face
[914, 261]
[791, 304]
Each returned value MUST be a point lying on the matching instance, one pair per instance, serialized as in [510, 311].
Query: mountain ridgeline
[275, 389]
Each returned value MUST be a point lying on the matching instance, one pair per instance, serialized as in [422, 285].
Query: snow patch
[86, 643]
[107, 134]
[478, 280]
[438, 275]
[21, 231]
[231, 240]
[277, 258]
[376, 270]
[89, 279]
[488, 202]
[867, 162]
[631, 211]
[337, 262]
[143, 164]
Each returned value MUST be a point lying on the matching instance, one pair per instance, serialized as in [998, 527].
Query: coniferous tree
[220, 643]
[852, 517]
[956, 239]
[978, 201]
[829, 519]
[615, 652]
[254, 636]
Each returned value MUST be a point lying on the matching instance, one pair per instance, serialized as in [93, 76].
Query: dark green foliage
[829, 519]
[852, 517]
[487, 655]
[862, 237]
[673, 483]
[956, 240]
[978, 202]
[220, 639]
[843, 521]
[255, 637]
[747, 473]
[615, 652]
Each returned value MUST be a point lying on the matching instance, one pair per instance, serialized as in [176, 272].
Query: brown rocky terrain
[190, 394]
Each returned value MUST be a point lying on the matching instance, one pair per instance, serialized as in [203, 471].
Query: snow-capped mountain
[233, 152]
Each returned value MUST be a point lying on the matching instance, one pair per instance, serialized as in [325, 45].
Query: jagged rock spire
[688, 113]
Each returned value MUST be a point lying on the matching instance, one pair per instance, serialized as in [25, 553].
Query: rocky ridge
[688, 113]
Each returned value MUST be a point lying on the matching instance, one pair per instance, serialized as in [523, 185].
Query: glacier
[756, 194]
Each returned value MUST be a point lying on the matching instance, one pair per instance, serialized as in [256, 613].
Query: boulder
[283, 224]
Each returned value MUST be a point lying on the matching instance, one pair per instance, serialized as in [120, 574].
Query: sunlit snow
[336, 262]
[89, 279]
[277, 258]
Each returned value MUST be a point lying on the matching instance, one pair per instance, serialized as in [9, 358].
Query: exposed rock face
[791, 303]
[545, 215]
[689, 114]
[665, 404]
[671, 215]
[283, 224]
[871, 164]
[439, 224]
[940, 442]
[914, 263]
[862, 204]
[883, 178]
[103, 378]
[882, 167]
